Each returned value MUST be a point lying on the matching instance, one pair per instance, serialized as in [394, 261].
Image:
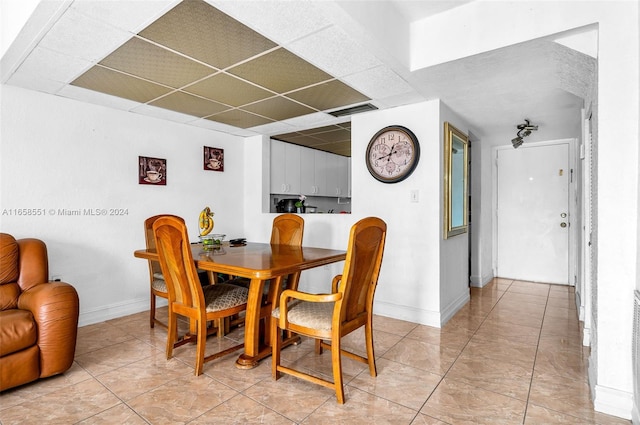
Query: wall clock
[392, 154]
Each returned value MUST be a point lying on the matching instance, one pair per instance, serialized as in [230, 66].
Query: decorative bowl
[212, 240]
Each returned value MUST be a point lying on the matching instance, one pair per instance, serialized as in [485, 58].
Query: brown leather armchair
[38, 318]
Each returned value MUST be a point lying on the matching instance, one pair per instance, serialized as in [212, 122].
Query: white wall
[59, 154]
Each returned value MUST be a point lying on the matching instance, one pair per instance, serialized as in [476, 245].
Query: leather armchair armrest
[55, 307]
[34, 263]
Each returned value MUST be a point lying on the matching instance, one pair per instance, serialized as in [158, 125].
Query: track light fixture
[524, 130]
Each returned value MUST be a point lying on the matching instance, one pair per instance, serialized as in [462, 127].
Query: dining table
[260, 263]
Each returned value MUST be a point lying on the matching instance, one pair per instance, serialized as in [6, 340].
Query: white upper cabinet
[307, 174]
[285, 168]
[311, 172]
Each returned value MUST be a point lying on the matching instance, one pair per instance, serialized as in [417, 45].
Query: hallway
[512, 355]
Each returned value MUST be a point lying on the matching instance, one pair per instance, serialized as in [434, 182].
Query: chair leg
[371, 358]
[171, 332]
[337, 369]
[202, 340]
[276, 346]
[152, 311]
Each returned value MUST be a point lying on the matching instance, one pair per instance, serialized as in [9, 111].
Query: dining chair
[329, 317]
[158, 286]
[187, 297]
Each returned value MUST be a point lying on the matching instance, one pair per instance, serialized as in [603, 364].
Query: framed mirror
[455, 181]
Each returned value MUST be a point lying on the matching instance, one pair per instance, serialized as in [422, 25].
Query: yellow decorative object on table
[205, 222]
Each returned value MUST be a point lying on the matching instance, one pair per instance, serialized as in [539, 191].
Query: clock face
[392, 154]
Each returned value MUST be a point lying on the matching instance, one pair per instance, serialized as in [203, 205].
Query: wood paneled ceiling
[198, 61]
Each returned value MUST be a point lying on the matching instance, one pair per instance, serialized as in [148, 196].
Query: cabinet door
[292, 168]
[343, 175]
[320, 173]
[307, 173]
[277, 172]
[332, 175]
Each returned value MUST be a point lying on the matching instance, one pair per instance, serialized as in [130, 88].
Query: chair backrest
[150, 240]
[287, 229]
[361, 269]
[176, 262]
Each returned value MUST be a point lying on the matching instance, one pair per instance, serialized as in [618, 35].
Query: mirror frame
[450, 134]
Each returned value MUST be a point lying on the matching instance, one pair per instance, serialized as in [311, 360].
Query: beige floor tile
[142, 376]
[226, 372]
[523, 318]
[459, 403]
[448, 336]
[293, 398]
[531, 288]
[70, 405]
[512, 379]
[569, 396]
[504, 350]
[241, 410]
[29, 392]
[119, 414]
[392, 326]
[118, 355]
[181, 400]
[567, 365]
[361, 408]
[401, 384]
[422, 419]
[568, 302]
[507, 331]
[355, 342]
[321, 365]
[94, 337]
[466, 320]
[422, 355]
[517, 297]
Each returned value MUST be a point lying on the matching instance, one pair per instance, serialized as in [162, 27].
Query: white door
[533, 213]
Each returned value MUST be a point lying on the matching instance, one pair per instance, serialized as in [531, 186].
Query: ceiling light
[524, 130]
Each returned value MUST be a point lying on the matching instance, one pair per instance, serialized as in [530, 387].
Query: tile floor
[512, 355]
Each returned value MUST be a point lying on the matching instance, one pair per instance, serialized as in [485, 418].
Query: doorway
[533, 212]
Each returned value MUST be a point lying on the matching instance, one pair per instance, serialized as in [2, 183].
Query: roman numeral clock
[392, 154]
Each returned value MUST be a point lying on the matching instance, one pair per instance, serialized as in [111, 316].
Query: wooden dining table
[259, 262]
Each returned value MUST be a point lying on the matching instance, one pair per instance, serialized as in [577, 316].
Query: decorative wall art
[152, 171]
[213, 159]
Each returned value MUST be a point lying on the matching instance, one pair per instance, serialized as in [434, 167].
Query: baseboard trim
[410, 314]
[480, 281]
[613, 402]
[449, 311]
[586, 337]
[114, 311]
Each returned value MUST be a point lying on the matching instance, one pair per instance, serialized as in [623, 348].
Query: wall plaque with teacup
[152, 170]
[213, 159]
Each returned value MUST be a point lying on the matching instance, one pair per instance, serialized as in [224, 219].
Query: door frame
[572, 202]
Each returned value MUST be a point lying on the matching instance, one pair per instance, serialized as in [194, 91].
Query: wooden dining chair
[187, 297]
[329, 317]
[158, 286]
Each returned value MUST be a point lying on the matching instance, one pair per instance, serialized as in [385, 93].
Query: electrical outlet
[414, 195]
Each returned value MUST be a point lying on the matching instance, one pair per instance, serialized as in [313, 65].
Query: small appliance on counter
[287, 205]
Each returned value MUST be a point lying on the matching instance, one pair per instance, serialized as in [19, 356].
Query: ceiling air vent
[353, 110]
